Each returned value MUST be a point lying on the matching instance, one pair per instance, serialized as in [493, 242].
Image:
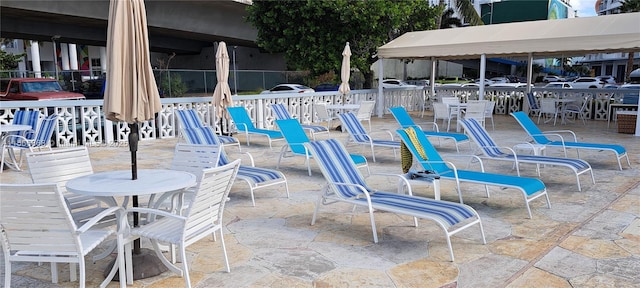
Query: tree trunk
[627, 73]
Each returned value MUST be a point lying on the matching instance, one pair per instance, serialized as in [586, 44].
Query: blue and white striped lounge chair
[358, 135]
[26, 117]
[295, 137]
[428, 157]
[243, 124]
[346, 184]
[255, 177]
[540, 137]
[40, 140]
[404, 119]
[188, 118]
[282, 113]
[491, 150]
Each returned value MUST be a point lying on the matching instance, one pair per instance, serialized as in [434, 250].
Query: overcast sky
[586, 8]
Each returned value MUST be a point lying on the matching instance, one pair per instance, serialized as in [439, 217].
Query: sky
[585, 7]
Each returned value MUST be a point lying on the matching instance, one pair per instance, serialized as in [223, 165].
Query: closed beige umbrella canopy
[345, 71]
[131, 93]
[222, 92]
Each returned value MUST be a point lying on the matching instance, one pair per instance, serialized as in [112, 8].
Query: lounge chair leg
[373, 225]
[315, 211]
[450, 247]
[484, 239]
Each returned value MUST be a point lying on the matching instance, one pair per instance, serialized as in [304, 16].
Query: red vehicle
[35, 89]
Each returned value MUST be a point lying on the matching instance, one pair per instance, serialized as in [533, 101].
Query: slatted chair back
[61, 165]
[475, 110]
[194, 158]
[36, 226]
[365, 111]
[202, 218]
[488, 113]
[323, 113]
[206, 136]
[207, 207]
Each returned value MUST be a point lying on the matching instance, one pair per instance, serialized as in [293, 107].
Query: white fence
[81, 122]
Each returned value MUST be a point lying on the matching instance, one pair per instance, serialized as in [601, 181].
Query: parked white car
[509, 85]
[487, 82]
[395, 83]
[558, 85]
[607, 79]
[289, 88]
[587, 82]
[497, 80]
[553, 78]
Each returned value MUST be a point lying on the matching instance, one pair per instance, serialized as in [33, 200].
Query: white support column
[380, 101]
[73, 57]
[103, 60]
[64, 56]
[483, 68]
[35, 59]
[529, 71]
[432, 79]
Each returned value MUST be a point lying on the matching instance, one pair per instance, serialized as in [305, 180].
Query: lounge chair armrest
[118, 211]
[551, 135]
[383, 130]
[511, 151]
[575, 139]
[362, 189]
[244, 126]
[401, 178]
[243, 155]
[434, 126]
[473, 157]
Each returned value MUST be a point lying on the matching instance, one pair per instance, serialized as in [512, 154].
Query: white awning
[562, 37]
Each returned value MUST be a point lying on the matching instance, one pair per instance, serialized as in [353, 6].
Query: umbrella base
[145, 265]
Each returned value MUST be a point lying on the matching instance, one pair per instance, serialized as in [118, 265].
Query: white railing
[81, 122]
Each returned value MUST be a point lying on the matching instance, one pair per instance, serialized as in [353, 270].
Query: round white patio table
[119, 184]
[4, 132]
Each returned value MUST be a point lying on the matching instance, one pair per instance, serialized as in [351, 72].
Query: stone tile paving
[586, 239]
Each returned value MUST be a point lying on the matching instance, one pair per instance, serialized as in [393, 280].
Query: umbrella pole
[133, 147]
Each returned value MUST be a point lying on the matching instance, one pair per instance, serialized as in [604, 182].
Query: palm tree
[467, 13]
[448, 20]
[629, 6]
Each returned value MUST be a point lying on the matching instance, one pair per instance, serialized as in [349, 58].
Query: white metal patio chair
[323, 114]
[202, 218]
[36, 226]
[365, 111]
[255, 177]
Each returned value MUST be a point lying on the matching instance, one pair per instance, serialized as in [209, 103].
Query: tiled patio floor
[587, 239]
